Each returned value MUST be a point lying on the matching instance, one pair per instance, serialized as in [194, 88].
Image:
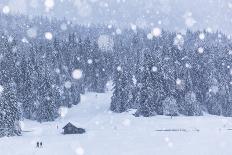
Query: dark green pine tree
[25, 89]
[47, 109]
[9, 111]
[122, 95]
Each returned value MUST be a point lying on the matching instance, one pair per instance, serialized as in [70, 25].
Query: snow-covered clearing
[122, 134]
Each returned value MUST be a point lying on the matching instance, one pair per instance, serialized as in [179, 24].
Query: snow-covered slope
[121, 134]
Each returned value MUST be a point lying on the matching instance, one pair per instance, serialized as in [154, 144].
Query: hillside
[123, 134]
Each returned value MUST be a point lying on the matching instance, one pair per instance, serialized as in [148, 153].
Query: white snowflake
[63, 111]
[49, 4]
[200, 50]
[149, 36]
[63, 27]
[90, 61]
[118, 31]
[80, 151]
[68, 84]
[202, 36]
[119, 68]
[209, 30]
[77, 74]
[10, 39]
[154, 69]
[178, 81]
[6, 9]
[156, 32]
[48, 35]
[187, 65]
[24, 40]
[133, 27]
[109, 26]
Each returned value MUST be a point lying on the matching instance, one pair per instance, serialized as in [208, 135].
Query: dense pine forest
[46, 64]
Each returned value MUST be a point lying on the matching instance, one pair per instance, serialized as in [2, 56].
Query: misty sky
[169, 14]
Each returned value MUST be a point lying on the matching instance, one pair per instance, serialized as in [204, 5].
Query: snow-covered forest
[115, 77]
[46, 64]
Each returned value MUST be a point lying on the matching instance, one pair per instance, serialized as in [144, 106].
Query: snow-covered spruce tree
[170, 107]
[122, 95]
[150, 90]
[214, 106]
[99, 75]
[47, 109]
[191, 107]
[25, 92]
[9, 111]
[75, 95]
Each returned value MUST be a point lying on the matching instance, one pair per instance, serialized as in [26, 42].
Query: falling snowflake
[63, 27]
[48, 35]
[90, 61]
[10, 39]
[209, 30]
[6, 9]
[77, 74]
[178, 81]
[49, 4]
[156, 32]
[154, 69]
[24, 40]
[187, 65]
[201, 50]
[149, 36]
[118, 31]
[133, 27]
[119, 68]
[80, 151]
[63, 111]
[202, 36]
[109, 26]
[68, 84]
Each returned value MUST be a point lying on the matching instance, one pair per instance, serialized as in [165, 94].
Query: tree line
[170, 74]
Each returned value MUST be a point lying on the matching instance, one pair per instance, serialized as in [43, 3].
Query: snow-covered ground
[122, 134]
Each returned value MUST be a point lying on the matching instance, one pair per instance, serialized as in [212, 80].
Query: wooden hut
[72, 129]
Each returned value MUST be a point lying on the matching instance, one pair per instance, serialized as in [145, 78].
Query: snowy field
[122, 134]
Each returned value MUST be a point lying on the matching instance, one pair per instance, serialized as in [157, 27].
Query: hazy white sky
[168, 14]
